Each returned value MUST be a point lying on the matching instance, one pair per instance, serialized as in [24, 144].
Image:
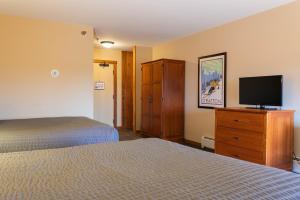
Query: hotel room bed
[45, 133]
[139, 169]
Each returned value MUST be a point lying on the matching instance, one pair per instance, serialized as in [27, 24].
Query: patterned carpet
[128, 135]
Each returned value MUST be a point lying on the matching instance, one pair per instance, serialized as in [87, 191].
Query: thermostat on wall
[55, 73]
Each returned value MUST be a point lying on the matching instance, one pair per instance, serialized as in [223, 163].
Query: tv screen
[263, 90]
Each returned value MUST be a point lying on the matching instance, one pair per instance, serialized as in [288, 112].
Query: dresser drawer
[239, 153]
[240, 138]
[241, 120]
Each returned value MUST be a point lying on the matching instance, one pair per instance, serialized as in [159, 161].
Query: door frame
[134, 68]
[114, 63]
[124, 67]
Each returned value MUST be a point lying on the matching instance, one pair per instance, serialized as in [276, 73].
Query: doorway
[105, 91]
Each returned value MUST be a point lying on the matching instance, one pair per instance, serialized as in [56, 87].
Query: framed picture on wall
[212, 81]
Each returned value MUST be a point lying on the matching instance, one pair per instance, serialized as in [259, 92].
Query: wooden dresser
[259, 136]
[163, 99]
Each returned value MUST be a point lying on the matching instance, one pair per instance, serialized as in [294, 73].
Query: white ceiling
[140, 22]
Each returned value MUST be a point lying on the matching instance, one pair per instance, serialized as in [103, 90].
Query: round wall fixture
[107, 44]
[55, 73]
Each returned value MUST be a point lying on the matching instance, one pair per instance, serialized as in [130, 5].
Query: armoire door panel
[146, 99]
[156, 99]
[147, 74]
[146, 108]
[174, 102]
[146, 124]
[156, 126]
[157, 72]
[156, 109]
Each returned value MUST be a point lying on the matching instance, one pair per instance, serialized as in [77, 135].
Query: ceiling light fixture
[107, 44]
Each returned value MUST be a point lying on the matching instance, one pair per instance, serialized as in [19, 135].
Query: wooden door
[146, 97]
[157, 73]
[127, 89]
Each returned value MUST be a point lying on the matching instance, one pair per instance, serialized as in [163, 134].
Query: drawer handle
[236, 120]
[236, 138]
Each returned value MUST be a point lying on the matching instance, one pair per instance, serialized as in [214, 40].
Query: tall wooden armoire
[163, 99]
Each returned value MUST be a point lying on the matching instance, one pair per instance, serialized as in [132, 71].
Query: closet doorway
[105, 91]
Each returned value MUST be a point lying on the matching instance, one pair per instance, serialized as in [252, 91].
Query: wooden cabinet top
[250, 110]
[165, 60]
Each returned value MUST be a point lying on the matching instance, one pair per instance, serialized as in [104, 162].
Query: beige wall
[143, 54]
[115, 55]
[29, 49]
[264, 44]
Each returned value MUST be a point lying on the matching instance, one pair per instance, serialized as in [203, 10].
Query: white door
[103, 99]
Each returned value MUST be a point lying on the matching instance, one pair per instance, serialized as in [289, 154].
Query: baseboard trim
[197, 145]
[193, 143]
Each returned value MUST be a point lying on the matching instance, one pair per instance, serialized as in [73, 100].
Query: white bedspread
[140, 169]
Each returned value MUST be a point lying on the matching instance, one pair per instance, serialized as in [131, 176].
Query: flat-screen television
[262, 90]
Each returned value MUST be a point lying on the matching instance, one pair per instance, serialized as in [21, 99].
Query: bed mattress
[139, 169]
[45, 133]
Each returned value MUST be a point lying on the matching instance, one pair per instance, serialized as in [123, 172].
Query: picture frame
[212, 81]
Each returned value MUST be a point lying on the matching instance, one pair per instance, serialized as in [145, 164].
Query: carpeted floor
[128, 135]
